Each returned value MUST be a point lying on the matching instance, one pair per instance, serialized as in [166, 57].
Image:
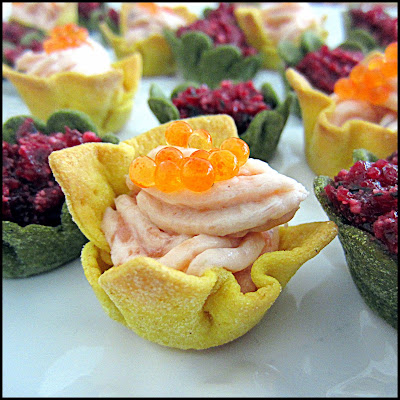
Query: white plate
[319, 339]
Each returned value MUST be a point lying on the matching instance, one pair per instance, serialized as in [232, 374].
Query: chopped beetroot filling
[377, 22]
[385, 229]
[241, 101]
[221, 26]
[324, 67]
[366, 196]
[30, 193]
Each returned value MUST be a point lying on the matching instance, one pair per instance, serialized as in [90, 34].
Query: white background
[319, 339]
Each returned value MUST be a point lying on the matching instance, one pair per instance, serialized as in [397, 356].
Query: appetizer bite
[38, 232]
[214, 48]
[265, 28]
[188, 239]
[319, 64]
[361, 113]
[44, 16]
[75, 72]
[141, 30]
[362, 201]
[259, 115]
[370, 26]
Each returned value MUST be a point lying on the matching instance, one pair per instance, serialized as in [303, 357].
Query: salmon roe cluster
[370, 82]
[65, 37]
[170, 170]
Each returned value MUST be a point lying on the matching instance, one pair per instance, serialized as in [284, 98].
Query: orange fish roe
[197, 174]
[225, 164]
[370, 82]
[345, 88]
[201, 153]
[142, 171]
[169, 154]
[177, 134]
[200, 139]
[379, 94]
[391, 52]
[238, 147]
[168, 176]
[65, 37]
[171, 171]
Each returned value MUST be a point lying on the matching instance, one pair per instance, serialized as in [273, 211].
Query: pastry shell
[155, 50]
[34, 249]
[106, 98]
[373, 269]
[159, 303]
[329, 148]
[251, 21]
[68, 14]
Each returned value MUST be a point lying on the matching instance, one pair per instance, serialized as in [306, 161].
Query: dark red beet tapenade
[366, 196]
[221, 26]
[324, 67]
[30, 193]
[241, 101]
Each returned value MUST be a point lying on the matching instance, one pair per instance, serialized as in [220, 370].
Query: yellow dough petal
[157, 302]
[251, 23]
[107, 98]
[328, 147]
[91, 177]
[296, 246]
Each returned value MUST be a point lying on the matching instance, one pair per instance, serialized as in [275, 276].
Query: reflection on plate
[318, 340]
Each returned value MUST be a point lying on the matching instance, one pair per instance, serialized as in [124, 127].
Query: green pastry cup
[264, 131]
[198, 60]
[35, 249]
[98, 16]
[361, 37]
[373, 269]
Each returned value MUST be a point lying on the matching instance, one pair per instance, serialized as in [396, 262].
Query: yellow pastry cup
[251, 21]
[68, 14]
[159, 303]
[155, 50]
[328, 147]
[107, 98]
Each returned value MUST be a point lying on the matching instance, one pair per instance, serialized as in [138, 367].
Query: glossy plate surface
[319, 339]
